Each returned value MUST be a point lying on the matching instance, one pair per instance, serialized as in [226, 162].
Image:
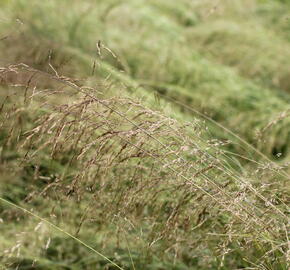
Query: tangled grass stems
[73, 85]
[257, 220]
[61, 121]
[200, 172]
[68, 82]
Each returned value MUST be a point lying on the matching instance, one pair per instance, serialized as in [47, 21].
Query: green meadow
[144, 134]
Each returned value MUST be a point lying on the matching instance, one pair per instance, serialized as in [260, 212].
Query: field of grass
[144, 134]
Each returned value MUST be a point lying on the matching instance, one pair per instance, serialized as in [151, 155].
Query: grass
[103, 147]
[194, 68]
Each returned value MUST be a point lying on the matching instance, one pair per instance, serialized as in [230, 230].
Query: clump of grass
[172, 57]
[144, 189]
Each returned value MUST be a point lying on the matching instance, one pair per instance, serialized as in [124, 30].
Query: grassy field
[144, 134]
